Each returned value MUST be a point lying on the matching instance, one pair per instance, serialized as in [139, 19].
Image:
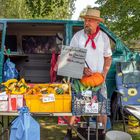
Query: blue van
[32, 41]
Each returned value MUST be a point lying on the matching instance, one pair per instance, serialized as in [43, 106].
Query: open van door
[2, 40]
[120, 52]
[1, 29]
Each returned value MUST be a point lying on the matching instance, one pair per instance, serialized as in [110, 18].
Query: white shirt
[94, 57]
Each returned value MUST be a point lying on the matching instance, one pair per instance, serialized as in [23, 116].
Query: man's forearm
[107, 64]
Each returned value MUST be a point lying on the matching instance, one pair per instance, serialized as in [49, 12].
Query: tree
[2, 6]
[122, 17]
[14, 9]
[38, 9]
[51, 9]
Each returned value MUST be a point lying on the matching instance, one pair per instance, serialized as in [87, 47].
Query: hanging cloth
[53, 63]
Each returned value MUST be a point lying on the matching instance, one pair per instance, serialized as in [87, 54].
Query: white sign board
[87, 93]
[3, 96]
[49, 98]
[91, 108]
[71, 62]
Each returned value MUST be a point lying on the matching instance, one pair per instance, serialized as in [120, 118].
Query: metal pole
[96, 128]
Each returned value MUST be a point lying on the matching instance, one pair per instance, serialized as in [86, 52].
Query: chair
[128, 89]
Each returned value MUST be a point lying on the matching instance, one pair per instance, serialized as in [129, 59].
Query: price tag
[91, 108]
[49, 98]
[3, 96]
[87, 93]
[4, 106]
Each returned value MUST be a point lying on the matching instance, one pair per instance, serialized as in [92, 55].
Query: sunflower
[132, 92]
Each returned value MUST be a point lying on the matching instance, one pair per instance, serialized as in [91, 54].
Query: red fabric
[61, 121]
[91, 38]
[52, 71]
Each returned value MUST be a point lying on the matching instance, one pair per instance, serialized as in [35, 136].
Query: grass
[51, 131]
[119, 126]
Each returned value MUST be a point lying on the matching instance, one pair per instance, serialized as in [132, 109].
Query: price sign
[71, 62]
[49, 98]
[87, 93]
[3, 96]
[91, 108]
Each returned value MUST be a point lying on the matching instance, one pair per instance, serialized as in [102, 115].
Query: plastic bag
[10, 70]
[25, 127]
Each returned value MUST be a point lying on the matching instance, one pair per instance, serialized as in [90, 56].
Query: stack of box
[10, 102]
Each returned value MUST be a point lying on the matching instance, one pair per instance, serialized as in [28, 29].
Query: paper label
[4, 106]
[87, 93]
[3, 97]
[49, 98]
[91, 108]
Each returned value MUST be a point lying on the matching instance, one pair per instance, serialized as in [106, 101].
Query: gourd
[59, 91]
[94, 80]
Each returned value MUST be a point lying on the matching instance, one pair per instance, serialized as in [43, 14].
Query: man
[98, 58]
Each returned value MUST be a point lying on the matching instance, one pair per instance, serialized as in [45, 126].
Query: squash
[59, 90]
[94, 80]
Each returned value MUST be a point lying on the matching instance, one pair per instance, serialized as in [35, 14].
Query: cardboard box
[3, 105]
[15, 102]
[3, 101]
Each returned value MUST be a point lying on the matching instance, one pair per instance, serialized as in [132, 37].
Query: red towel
[52, 71]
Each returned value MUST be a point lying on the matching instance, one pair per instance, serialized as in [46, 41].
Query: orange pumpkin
[94, 80]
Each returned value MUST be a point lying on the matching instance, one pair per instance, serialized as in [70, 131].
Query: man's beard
[87, 30]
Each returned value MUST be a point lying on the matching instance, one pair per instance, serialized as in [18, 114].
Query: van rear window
[39, 44]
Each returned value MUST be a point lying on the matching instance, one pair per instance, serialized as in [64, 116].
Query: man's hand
[87, 71]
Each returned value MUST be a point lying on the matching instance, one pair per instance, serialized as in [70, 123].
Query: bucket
[117, 135]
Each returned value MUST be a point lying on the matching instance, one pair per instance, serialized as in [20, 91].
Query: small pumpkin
[94, 80]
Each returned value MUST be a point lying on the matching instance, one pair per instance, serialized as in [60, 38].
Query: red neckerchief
[91, 38]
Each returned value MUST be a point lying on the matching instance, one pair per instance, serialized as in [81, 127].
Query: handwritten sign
[71, 62]
[49, 98]
[91, 108]
[87, 93]
[3, 96]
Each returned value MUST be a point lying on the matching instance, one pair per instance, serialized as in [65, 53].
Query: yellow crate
[62, 102]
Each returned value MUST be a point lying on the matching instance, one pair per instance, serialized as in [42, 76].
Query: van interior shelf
[16, 54]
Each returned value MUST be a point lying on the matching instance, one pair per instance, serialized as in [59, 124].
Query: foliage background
[37, 9]
[121, 16]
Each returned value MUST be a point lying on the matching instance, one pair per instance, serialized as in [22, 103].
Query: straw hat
[93, 14]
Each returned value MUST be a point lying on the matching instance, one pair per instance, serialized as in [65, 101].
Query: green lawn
[51, 131]
[119, 126]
